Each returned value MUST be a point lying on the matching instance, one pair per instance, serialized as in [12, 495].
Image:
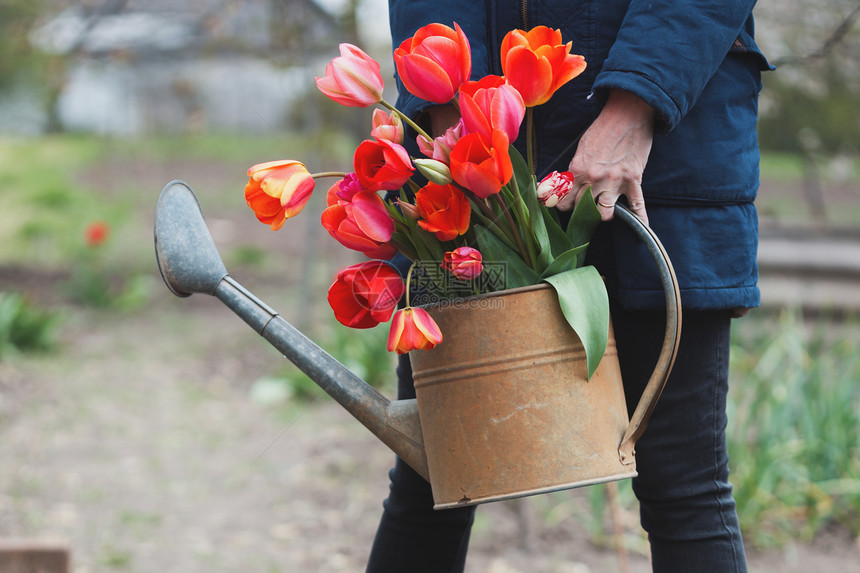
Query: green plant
[23, 326]
[363, 353]
[794, 418]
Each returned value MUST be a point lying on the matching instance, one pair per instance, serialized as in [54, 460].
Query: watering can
[189, 263]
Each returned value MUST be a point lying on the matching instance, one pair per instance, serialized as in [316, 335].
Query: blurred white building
[156, 66]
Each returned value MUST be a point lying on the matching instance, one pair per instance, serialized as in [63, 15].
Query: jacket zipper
[532, 143]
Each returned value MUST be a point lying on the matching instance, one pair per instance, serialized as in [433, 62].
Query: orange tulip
[434, 62]
[278, 190]
[480, 166]
[444, 210]
[353, 79]
[413, 329]
[536, 63]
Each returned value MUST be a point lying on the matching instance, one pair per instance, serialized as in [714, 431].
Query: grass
[794, 422]
[24, 326]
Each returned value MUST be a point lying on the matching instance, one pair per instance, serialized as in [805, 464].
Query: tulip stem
[524, 218]
[328, 174]
[513, 226]
[488, 212]
[406, 119]
[409, 282]
[530, 138]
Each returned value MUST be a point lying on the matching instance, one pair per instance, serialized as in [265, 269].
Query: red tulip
[434, 62]
[489, 104]
[440, 148]
[353, 79]
[463, 262]
[278, 190]
[554, 187]
[365, 294]
[444, 210]
[362, 224]
[413, 329]
[536, 63]
[387, 126]
[481, 166]
[382, 165]
[96, 233]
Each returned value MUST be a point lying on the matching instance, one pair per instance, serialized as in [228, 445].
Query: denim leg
[412, 536]
[685, 497]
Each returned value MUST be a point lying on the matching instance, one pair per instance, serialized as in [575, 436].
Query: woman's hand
[612, 154]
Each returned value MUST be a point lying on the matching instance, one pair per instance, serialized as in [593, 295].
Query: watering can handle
[657, 382]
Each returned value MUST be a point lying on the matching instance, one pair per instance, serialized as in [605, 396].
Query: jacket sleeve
[406, 16]
[667, 50]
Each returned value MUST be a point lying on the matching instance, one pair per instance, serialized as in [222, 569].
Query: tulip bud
[435, 171]
[387, 126]
[409, 210]
[464, 263]
[554, 187]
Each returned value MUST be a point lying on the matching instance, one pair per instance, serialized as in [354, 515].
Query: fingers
[607, 197]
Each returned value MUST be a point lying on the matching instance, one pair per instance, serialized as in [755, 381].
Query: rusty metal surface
[505, 405]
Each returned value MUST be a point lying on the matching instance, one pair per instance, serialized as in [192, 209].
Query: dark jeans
[683, 489]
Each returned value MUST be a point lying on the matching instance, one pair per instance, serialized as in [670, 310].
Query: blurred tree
[815, 90]
[18, 61]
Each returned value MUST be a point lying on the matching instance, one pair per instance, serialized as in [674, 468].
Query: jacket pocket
[745, 46]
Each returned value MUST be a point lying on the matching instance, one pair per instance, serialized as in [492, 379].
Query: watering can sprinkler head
[187, 257]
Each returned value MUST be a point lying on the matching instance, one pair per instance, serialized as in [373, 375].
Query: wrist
[629, 105]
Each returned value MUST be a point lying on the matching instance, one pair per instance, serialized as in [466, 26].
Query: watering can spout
[189, 263]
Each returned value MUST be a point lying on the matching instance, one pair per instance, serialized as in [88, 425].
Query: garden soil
[139, 444]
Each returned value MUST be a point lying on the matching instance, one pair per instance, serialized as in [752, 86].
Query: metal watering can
[573, 431]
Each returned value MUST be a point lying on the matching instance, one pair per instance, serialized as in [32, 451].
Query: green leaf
[585, 304]
[558, 239]
[517, 273]
[566, 261]
[583, 221]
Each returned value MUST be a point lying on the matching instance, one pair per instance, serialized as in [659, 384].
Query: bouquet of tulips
[478, 221]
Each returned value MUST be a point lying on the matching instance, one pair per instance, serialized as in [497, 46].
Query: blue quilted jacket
[696, 63]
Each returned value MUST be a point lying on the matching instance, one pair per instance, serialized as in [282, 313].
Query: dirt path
[138, 443]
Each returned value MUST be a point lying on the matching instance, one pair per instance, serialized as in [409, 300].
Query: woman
[664, 119]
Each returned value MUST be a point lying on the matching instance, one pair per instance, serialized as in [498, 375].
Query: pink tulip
[489, 104]
[387, 126]
[554, 187]
[434, 62]
[463, 262]
[353, 79]
[413, 329]
[440, 148]
[362, 224]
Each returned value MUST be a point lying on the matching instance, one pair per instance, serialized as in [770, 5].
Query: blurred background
[150, 433]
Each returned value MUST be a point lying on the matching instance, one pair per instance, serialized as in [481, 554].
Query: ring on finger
[602, 204]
